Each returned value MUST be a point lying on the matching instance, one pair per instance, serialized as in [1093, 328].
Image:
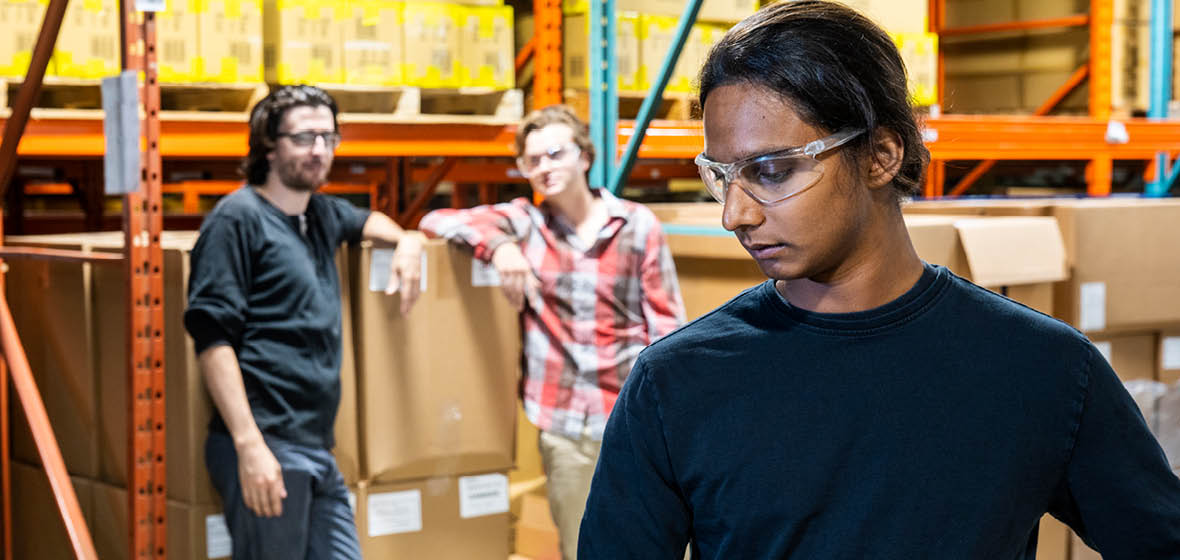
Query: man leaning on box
[264, 312]
[594, 281]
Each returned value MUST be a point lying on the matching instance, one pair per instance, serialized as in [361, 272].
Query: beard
[296, 177]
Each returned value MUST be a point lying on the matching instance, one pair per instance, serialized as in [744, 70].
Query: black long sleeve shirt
[269, 289]
[941, 425]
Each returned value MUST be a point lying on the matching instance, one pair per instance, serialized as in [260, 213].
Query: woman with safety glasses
[860, 403]
[594, 281]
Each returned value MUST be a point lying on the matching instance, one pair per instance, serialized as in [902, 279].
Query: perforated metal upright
[143, 222]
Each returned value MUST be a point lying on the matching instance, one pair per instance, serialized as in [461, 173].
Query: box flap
[936, 241]
[1003, 251]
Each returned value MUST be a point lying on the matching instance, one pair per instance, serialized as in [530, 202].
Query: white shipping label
[1171, 352]
[483, 495]
[217, 540]
[483, 274]
[1092, 312]
[379, 263]
[1104, 349]
[151, 5]
[391, 513]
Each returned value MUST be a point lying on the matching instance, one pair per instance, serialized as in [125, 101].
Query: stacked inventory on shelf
[358, 42]
[425, 432]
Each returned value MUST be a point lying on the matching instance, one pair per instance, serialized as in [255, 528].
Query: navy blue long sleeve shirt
[941, 425]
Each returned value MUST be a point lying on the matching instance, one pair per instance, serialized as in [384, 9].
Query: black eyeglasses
[308, 138]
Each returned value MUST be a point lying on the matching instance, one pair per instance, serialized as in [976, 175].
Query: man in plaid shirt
[594, 281]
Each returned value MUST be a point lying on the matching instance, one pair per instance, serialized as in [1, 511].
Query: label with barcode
[483, 495]
[391, 513]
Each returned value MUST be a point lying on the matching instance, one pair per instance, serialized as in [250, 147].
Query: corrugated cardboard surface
[373, 43]
[37, 529]
[1168, 354]
[88, 42]
[575, 40]
[436, 389]
[1124, 266]
[487, 49]
[230, 41]
[192, 535]
[177, 32]
[536, 535]
[347, 431]
[1132, 356]
[303, 41]
[711, 10]
[1052, 539]
[20, 21]
[432, 42]
[423, 519]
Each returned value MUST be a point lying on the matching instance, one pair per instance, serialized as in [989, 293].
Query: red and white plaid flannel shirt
[599, 306]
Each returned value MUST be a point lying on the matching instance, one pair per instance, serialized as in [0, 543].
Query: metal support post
[1161, 90]
[142, 225]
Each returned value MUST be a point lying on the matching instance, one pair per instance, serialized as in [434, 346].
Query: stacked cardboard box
[576, 42]
[711, 10]
[373, 43]
[436, 409]
[20, 21]
[88, 43]
[229, 41]
[303, 41]
[487, 57]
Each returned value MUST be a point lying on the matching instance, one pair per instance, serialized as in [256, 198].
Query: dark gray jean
[317, 521]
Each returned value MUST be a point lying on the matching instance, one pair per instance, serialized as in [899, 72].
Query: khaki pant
[569, 466]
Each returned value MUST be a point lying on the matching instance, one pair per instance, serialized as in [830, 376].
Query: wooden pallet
[412, 104]
[61, 93]
[674, 107]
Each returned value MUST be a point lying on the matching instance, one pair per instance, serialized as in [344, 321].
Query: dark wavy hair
[267, 116]
[556, 114]
[834, 66]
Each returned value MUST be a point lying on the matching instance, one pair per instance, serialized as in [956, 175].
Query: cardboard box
[1132, 356]
[1122, 254]
[194, 532]
[303, 41]
[575, 42]
[1019, 257]
[894, 16]
[177, 36]
[347, 430]
[436, 389]
[963, 13]
[1079, 550]
[37, 528]
[711, 10]
[229, 41]
[919, 53]
[373, 43]
[536, 535]
[445, 518]
[88, 43]
[1169, 357]
[1052, 539]
[488, 56]
[54, 310]
[981, 207]
[20, 22]
[656, 34]
[432, 45]
[983, 94]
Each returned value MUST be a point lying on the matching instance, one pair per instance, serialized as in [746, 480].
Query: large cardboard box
[347, 431]
[1168, 354]
[54, 312]
[432, 45]
[373, 43]
[437, 388]
[536, 535]
[919, 53]
[38, 532]
[443, 518]
[1052, 539]
[1019, 257]
[1132, 356]
[229, 41]
[488, 56]
[195, 532]
[575, 42]
[656, 34]
[303, 41]
[88, 43]
[177, 38]
[711, 10]
[895, 16]
[1123, 256]
[20, 22]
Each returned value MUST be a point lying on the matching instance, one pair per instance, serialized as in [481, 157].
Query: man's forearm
[381, 229]
[223, 378]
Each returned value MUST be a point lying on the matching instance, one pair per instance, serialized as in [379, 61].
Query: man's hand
[406, 269]
[516, 275]
[261, 478]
